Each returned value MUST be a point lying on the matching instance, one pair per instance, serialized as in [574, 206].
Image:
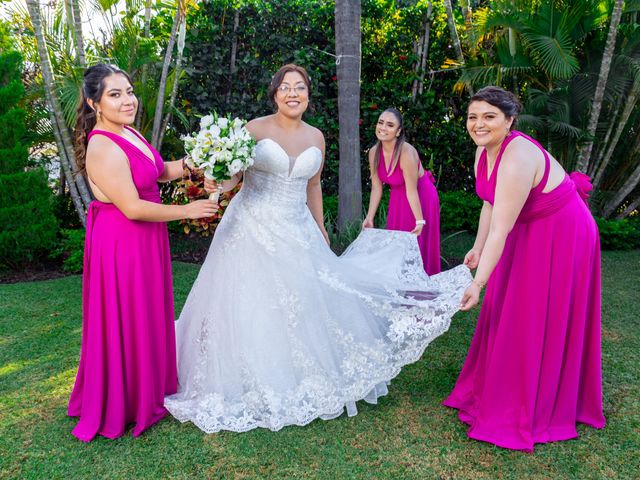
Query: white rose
[223, 122]
[237, 123]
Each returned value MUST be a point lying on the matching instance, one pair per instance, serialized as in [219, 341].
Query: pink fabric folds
[127, 359]
[400, 216]
[582, 183]
[534, 365]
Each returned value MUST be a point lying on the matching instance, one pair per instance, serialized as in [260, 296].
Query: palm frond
[554, 53]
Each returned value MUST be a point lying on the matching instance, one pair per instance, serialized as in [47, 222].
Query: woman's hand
[418, 229]
[472, 258]
[471, 297]
[367, 223]
[201, 209]
[210, 186]
[325, 234]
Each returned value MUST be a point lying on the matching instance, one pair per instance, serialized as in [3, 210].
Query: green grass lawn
[407, 435]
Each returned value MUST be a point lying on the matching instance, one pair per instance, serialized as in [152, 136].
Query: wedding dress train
[277, 330]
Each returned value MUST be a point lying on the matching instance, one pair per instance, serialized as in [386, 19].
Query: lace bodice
[277, 179]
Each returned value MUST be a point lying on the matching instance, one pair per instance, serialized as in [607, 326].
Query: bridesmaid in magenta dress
[127, 359]
[534, 367]
[413, 201]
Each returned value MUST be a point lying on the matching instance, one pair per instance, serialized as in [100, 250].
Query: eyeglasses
[299, 89]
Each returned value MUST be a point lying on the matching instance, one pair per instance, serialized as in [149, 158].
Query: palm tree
[145, 67]
[553, 53]
[348, 54]
[74, 20]
[422, 51]
[585, 154]
[451, 21]
[158, 133]
[78, 187]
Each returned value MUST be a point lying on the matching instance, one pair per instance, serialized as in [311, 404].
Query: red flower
[373, 106]
[193, 191]
[359, 121]
[402, 58]
[334, 78]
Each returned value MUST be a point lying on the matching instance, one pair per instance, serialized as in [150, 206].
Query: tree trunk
[417, 49]
[63, 139]
[630, 209]
[422, 53]
[234, 52]
[68, 173]
[62, 178]
[77, 28]
[629, 186]
[347, 20]
[628, 110]
[585, 153]
[157, 132]
[454, 31]
[176, 79]
[593, 166]
[145, 67]
[425, 47]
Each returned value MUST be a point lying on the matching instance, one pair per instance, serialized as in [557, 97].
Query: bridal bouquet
[222, 148]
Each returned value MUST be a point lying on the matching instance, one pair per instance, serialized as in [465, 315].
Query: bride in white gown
[277, 330]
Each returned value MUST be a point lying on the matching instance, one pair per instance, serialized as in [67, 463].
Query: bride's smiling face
[292, 95]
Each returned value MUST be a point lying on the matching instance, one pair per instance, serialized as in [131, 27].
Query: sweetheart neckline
[287, 153]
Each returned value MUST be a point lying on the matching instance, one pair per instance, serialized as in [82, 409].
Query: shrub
[619, 234]
[71, 250]
[29, 227]
[459, 211]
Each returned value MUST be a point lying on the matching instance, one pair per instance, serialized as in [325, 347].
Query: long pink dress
[534, 366]
[128, 359]
[400, 216]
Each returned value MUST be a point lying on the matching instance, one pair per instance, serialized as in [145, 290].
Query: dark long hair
[500, 98]
[398, 148]
[92, 88]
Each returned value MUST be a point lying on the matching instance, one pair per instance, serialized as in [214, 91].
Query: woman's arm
[172, 170]
[472, 258]
[410, 164]
[108, 168]
[516, 175]
[376, 193]
[314, 195]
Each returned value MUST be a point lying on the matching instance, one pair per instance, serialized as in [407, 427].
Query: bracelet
[478, 283]
[421, 222]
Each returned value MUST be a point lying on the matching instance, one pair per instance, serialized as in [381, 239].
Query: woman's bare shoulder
[258, 126]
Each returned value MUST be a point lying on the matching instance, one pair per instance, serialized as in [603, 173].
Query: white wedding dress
[277, 330]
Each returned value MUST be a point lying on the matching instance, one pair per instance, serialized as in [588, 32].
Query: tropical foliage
[188, 58]
[554, 54]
